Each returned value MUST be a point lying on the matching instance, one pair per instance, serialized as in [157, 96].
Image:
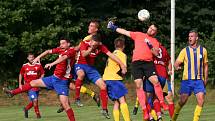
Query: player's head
[119, 43]
[95, 41]
[93, 27]
[30, 57]
[193, 37]
[64, 43]
[152, 30]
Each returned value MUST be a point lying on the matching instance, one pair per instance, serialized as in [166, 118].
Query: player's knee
[103, 86]
[72, 86]
[200, 102]
[33, 83]
[138, 83]
[81, 74]
[66, 105]
[154, 79]
[35, 101]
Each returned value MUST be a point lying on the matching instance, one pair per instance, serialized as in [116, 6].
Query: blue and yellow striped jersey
[194, 60]
[112, 68]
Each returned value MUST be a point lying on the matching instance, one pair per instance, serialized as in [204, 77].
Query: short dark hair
[97, 23]
[64, 38]
[30, 53]
[96, 37]
[119, 42]
[194, 31]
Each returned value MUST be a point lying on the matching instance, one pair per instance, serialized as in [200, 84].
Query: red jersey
[90, 59]
[161, 62]
[31, 72]
[141, 50]
[63, 69]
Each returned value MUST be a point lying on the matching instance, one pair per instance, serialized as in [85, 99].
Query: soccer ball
[143, 15]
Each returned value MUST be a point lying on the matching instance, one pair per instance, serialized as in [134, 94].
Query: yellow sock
[85, 90]
[154, 115]
[197, 113]
[124, 111]
[116, 115]
[176, 112]
[137, 103]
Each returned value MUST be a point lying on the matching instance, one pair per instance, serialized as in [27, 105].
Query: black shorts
[142, 68]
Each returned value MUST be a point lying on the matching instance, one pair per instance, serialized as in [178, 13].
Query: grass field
[92, 113]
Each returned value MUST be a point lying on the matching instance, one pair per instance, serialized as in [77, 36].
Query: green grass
[92, 113]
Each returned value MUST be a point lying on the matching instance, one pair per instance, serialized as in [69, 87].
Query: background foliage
[37, 25]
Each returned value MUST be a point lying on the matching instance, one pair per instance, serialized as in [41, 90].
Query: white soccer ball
[143, 15]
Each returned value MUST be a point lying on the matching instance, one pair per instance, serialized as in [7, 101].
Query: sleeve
[41, 70]
[70, 53]
[181, 56]
[134, 35]
[22, 70]
[55, 50]
[205, 55]
[83, 46]
[104, 49]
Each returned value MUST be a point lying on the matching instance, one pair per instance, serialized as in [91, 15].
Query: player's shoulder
[119, 52]
[25, 64]
[88, 37]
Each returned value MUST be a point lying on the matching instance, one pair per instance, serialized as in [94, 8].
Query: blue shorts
[32, 95]
[148, 86]
[91, 73]
[189, 86]
[115, 89]
[59, 85]
[169, 86]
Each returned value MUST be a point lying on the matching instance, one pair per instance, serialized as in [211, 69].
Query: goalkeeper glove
[112, 26]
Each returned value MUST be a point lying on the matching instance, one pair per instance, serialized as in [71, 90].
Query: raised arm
[37, 59]
[60, 59]
[117, 29]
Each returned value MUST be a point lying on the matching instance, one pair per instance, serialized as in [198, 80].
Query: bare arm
[155, 51]
[37, 59]
[42, 75]
[20, 80]
[169, 67]
[206, 73]
[123, 31]
[60, 59]
[113, 57]
[86, 52]
[177, 65]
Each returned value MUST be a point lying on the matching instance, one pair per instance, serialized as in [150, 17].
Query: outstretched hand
[48, 66]
[112, 26]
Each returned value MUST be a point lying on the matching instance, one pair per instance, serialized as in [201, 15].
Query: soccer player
[58, 81]
[93, 29]
[195, 75]
[113, 79]
[163, 67]
[31, 72]
[84, 66]
[146, 46]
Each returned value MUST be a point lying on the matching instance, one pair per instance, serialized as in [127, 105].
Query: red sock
[157, 106]
[148, 106]
[141, 97]
[159, 92]
[171, 109]
[29, 106]
[24, 88]
[70, 114]
[36, 110]
[78, 84]
[104, 98]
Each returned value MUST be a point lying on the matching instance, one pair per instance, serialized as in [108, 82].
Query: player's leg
[124, 109]
[199, 91]
[169, 99]
[64, 101]
[158, 90]
[136, 106]
[78, 83]
[138, 74]
[25, 87]
[116, 114]
[28, 107]
[91, 93]
[104, 97]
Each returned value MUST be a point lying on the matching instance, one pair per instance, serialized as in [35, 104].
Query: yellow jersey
[112, 68]
[87, 37]
[194, 60]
